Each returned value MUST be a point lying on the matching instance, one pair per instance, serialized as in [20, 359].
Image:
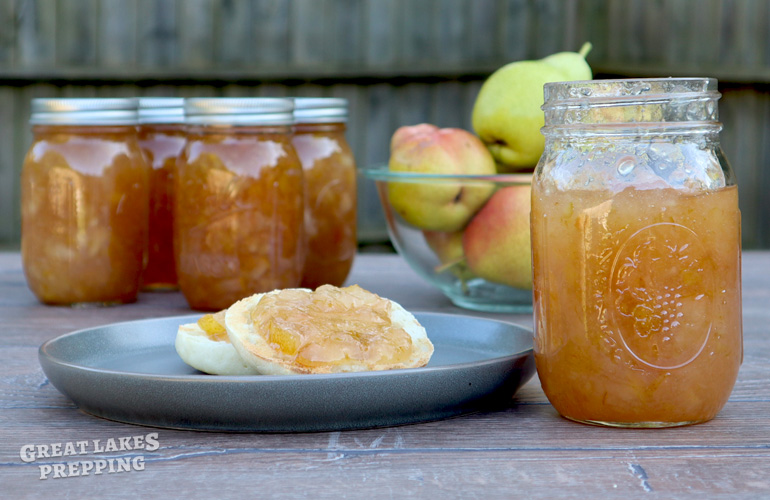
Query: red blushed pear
[496, 242]
[438, 205]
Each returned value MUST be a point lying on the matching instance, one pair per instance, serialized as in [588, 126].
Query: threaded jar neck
[632, 107]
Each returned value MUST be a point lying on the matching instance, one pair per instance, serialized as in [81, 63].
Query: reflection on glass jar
[84, 194]
[330, 189]
[162, 138]
[636, 254]
[239, 205]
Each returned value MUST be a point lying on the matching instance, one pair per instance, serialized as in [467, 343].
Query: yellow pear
[507, 114]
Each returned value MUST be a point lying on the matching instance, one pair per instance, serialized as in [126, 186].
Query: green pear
[507, 113]
[496, 242]
[432, 204]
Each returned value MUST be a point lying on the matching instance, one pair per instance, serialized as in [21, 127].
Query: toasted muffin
[206, 346]
[329, 330]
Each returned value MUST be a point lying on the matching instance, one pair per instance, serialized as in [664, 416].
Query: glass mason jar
[84, 197]
[162, 138]
[330, 189]
[239, 203]
[636, 254]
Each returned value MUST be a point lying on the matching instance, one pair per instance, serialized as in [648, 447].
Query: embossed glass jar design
[636, 254]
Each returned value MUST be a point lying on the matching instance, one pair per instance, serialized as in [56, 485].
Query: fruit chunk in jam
[214, 326]
[332, 326]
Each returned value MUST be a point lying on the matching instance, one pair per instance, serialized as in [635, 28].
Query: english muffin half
[329, 330]
[206, 346]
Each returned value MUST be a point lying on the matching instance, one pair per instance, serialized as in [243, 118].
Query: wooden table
[525, 449]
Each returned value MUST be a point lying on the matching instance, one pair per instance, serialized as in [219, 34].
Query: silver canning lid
[83, 111]
[320, 110]
[239, 111]
[161, 110]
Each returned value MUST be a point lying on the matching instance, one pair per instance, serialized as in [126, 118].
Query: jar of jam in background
[636, 253]
[330, 189]
[162, 138]
[84, 199]
[239, 201]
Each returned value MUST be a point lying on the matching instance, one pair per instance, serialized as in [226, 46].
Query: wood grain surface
[522, 450]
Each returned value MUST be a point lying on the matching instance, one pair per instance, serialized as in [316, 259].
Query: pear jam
[214, 326]
[636, 254]
[331, 326]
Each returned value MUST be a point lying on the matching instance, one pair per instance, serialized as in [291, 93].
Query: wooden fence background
[397, 61]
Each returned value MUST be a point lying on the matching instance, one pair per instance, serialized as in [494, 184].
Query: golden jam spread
[330, 189]
[84, 198]
[331, 326]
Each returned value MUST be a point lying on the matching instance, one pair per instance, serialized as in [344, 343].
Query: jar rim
[160, 110]
[239, 111]
[620, 102]
[83, 111]
[559, 93]
[320, 110]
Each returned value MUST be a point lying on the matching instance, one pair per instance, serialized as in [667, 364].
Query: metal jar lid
[161, 110]
[320, 110]
[239, 111]
[83, 111]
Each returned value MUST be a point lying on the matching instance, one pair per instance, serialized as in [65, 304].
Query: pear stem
[448, 265]
[585, 49]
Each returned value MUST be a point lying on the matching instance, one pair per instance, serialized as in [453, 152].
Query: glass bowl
[468, 235]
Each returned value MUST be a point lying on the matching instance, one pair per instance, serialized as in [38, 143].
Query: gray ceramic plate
[131, 373]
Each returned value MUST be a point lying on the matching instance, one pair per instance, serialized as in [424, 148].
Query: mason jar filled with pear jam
[162, 138]
[636, 254]
[84, 199]
[330, 189]
[239, 205]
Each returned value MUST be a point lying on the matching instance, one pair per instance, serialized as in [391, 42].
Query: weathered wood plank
[417, 27]
[516, 26]
[381, 33]
[76, 34]
[484, 32]
[741, 133]
[307, 32]
[375, 474]
[452, 38]
[36, 43]
[117, 32]
[270, 28]
[380, 125]
[196, 34]
[8, 34]
[592, 25]
[447, 104]
[344, 37]
[547, 34]
[233, 33]
[158, 33]
[8, 178]
[764, 169]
